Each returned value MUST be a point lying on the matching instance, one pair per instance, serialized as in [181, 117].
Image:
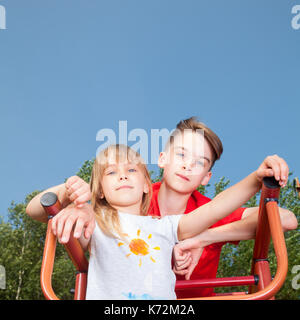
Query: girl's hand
[274, 166]
[78, 191]
[186, 256]
[82, 219]
[182, 260]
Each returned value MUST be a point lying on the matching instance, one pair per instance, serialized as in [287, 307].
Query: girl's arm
[229, 200]
[223, 204]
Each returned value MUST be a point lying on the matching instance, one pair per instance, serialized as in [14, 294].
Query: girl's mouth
[124, 187]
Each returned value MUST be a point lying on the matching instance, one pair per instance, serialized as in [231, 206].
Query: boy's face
[186, 162]
[123, 184]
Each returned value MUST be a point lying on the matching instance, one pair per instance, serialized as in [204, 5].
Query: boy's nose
[187, 165]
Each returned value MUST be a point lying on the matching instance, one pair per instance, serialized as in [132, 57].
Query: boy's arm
[77, 221]
[74, 190]
[287, 217]
[84, 242]
[36, 211]
[244, 229]
[185, 264]
[80, 221]
[232, 198]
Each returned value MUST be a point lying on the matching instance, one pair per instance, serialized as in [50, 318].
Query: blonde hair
[193, 124]
[107, 216]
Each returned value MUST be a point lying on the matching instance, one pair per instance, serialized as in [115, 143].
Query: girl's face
[123, 185]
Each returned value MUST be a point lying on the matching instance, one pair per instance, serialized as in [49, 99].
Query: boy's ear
[162, 160]
[206, 179]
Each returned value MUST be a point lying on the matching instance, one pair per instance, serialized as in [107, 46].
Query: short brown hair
[213, 140]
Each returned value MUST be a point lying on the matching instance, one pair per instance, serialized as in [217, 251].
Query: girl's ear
[146, 188]
[162, 160]
[101, 195]
[206, 179]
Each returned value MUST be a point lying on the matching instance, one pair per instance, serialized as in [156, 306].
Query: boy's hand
[78, 191]
[83, 219]
[186, 256]
[274, 166]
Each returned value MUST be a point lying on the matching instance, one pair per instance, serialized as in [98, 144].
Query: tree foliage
[22, 241]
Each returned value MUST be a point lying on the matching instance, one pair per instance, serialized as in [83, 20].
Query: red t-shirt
[208, 264]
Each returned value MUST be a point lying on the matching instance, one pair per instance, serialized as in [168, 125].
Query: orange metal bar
[230, 294]
[262, 270]
[80, 287]
[47, 264]
[216, 282]
[76, 254]
[262, 240]
[260, 264]
[282, 261]
[52, 206]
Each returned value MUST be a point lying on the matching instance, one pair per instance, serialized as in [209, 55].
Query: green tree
[85, 171]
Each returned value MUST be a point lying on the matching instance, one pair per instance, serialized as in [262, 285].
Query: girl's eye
[180, 155]
[111, 172]
[132, 170]
[199, 163]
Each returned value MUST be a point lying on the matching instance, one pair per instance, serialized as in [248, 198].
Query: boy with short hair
[187, 162]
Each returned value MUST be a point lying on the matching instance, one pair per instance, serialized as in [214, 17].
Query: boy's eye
[111, 172]
[132, 170]
[199, 163]
[180, 154]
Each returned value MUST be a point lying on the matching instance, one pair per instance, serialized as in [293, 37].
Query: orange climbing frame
[52, 206]
[261, 285]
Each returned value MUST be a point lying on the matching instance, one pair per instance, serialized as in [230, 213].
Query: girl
[130, 253]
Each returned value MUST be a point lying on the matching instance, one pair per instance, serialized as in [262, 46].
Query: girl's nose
[123, 176]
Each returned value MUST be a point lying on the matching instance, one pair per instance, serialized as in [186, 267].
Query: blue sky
[70, 68]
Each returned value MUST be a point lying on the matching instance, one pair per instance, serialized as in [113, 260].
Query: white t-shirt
[137, 269]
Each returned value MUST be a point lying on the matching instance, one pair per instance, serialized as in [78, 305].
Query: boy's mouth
[124, 187]
[182, 177]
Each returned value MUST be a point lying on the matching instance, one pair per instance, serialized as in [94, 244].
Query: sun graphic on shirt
[140, 247]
